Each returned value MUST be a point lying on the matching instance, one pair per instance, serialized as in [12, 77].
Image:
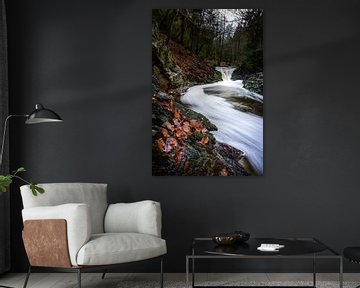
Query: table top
[292, 247]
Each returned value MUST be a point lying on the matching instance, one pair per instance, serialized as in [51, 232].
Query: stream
[218, 102]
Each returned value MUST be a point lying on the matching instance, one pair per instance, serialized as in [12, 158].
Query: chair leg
[79, 277]
[27, 277]
[103, 275]
[161, 273]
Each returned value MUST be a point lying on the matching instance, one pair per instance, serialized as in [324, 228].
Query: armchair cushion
[78, 221]
[93, 194]
[113, 248]
[138, 217]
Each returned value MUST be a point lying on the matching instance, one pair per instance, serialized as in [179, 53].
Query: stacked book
[270, 247]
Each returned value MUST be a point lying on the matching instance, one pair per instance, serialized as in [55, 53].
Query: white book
[270, 247]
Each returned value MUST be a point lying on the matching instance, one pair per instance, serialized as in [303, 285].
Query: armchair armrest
[138, 217]
[78, 223]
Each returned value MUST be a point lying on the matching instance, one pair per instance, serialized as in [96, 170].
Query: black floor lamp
[39, 115]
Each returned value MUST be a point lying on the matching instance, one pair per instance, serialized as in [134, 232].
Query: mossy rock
[190, 114]
[247, 105]
[199, 159]
[166, 70]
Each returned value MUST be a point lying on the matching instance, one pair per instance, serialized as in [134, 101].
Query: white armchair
[72, 228]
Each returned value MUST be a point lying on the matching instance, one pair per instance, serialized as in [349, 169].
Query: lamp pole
[4, 134]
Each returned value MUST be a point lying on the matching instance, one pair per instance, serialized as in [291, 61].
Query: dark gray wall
[4, 165]
[91, 61]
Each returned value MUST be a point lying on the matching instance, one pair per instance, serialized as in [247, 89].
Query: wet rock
[184, 145]
[232, 157]
[247, 105]
[197, 116]
[255, 83]
[165, 73]
[163, 96]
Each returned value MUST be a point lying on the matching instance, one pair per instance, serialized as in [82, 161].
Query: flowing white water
[242, 130]
[226, 72]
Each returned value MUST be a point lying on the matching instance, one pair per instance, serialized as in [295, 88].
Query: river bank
[186, 142]
[227, 104]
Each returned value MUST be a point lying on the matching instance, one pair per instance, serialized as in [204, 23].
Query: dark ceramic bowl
[231, 238]
[225, 239]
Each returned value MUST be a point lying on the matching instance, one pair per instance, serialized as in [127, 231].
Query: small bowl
[225, 239]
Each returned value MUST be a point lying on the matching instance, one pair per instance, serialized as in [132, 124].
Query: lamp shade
[42, 115]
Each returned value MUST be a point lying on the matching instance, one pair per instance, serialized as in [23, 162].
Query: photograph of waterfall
[207, 92]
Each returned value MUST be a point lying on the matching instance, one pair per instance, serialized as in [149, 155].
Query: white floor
[116, 280]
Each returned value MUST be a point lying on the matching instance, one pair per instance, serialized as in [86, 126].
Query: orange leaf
[186, 167]
[169, 126]
[172, 142]
[186, 128]
[176, 122]
[178, 155]
[169, 105]
[197, 126]
[204, 140]
[161, 144]
[198, 130]
[177, 113]
[224, 172]
[193, 123]
[164, 146]
[180, 134]
[153, 99]
[165, 132]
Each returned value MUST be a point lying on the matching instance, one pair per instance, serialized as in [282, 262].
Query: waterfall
[226, 72]
[218, 102]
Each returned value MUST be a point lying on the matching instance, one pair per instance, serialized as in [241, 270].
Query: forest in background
[231, 37]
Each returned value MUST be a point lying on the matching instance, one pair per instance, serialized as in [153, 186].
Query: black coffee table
[294, 248]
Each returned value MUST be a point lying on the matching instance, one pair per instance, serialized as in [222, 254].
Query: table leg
[314, 271]
[193, 267]
[341, 273]
[193, 272]
[187, 272]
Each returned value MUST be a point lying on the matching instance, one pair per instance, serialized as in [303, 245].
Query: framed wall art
[207, 92]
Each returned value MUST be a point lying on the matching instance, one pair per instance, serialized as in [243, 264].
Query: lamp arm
[4, 134]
